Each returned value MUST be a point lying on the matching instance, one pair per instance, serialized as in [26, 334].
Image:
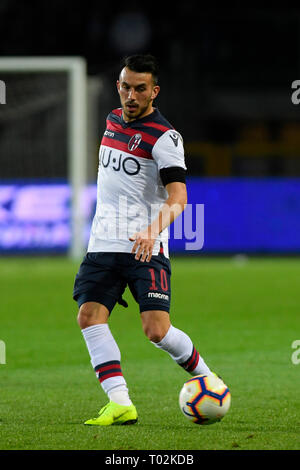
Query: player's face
[137, 92]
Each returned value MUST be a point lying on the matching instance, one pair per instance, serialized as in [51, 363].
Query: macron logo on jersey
[109, 133]
[174, 138]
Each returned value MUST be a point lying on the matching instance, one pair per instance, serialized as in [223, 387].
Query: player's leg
[155, 324]
[92, 313]
[160, 331]
[96, 290]
[104, 351]
[151, 287]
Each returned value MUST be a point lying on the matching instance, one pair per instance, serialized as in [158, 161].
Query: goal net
[43, 154]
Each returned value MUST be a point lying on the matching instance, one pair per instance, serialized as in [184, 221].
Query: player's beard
[137, 112]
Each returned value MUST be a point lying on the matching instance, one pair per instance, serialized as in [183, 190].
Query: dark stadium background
[226, 76]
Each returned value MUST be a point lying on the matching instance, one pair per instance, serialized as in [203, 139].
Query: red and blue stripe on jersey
[118, 132]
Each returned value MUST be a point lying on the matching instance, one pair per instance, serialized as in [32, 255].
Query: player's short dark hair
[142, 63]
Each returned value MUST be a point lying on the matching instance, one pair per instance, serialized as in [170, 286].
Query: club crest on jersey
[134, 142]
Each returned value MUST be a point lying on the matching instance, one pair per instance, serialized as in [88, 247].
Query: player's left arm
[172, 208]
[169, 155]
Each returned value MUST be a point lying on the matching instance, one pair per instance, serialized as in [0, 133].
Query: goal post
[76, 70]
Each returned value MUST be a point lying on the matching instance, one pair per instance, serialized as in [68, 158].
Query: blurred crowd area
[225, 74]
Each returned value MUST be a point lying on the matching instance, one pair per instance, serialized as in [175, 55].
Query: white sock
[181, 349]
[121, 397]
[105, 359]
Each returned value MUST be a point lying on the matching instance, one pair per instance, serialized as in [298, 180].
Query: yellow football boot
[112, 413]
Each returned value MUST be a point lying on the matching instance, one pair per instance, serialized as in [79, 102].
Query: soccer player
[141, 190]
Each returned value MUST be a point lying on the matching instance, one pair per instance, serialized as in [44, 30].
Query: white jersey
[130, 191]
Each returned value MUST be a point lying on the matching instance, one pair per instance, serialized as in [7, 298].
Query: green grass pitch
[242, 316]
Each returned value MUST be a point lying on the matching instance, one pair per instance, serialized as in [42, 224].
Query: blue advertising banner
[246, 215]
[222, 216]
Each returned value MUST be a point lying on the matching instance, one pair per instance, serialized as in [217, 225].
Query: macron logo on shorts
[157, 295]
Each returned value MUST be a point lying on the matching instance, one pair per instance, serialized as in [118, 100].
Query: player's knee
[89, 314]
[154, 333]
[85, 315]
[155, 325]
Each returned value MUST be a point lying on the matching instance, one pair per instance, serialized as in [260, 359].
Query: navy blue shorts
[103, 277]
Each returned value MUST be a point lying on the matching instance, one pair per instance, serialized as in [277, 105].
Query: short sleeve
[168, 150]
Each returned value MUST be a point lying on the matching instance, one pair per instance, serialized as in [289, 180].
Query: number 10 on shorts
[163, 280]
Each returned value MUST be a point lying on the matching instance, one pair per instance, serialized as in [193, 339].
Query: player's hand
[143, 246]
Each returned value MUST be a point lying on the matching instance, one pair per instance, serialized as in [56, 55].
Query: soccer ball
[204, 399]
